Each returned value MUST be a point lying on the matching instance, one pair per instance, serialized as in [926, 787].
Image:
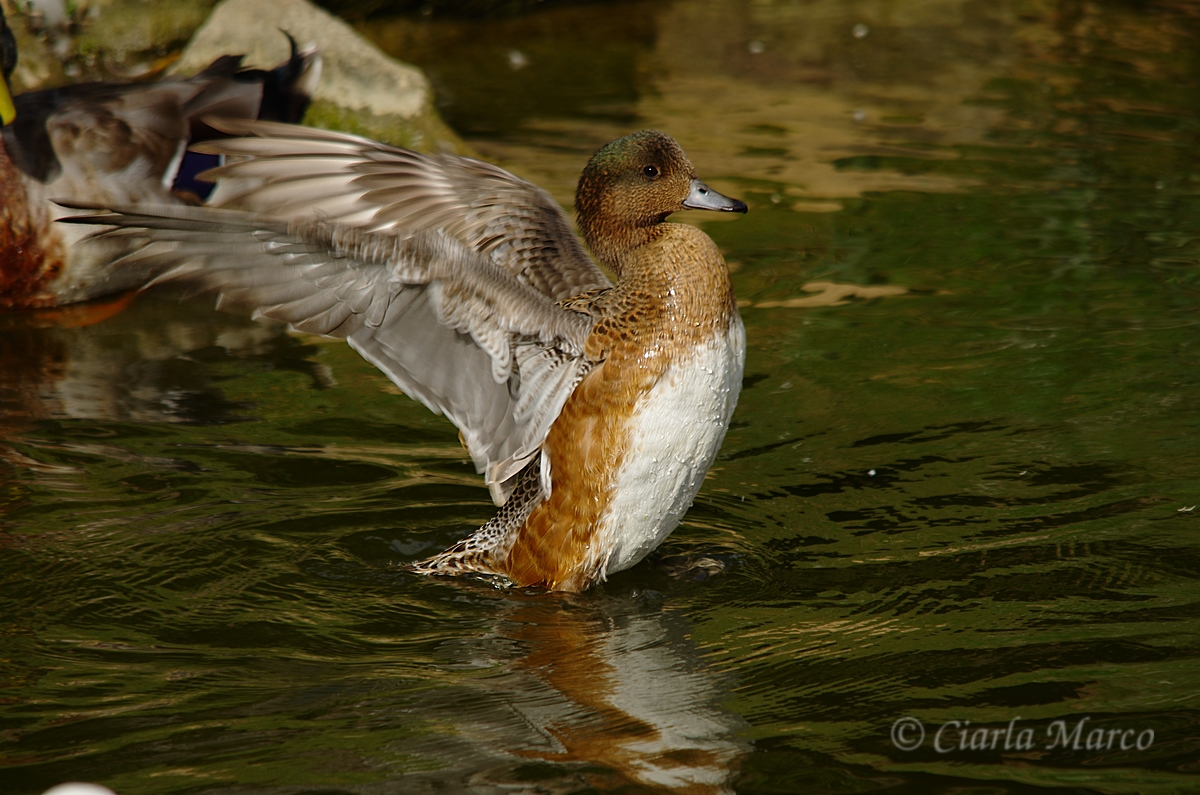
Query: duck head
[631, 185]
[8, 62]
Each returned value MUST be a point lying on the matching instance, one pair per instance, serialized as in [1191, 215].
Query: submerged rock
[361, 90]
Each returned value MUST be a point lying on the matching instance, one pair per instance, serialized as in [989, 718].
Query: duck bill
[8, 111]
[703, 197]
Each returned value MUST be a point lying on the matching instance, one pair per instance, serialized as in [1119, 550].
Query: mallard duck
[593, 409]
[111, 143]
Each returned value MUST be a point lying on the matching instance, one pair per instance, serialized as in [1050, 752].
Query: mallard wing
[302, 172]
[442, 320]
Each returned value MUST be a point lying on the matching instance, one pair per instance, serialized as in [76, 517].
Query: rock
[361, 90]
[100, 40]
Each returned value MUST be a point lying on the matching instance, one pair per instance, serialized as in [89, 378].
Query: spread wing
[445, 322]
[303, 172]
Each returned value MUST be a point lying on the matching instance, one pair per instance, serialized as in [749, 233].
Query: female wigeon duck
[593, 410]
[112, 144]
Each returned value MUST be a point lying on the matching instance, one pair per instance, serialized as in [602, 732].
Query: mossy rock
[126, 33]
[424, 132]
[37, 66]
[361, 90]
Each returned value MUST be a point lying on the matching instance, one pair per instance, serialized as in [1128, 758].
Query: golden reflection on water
[830, 294]
[776, 92]
[772, 93]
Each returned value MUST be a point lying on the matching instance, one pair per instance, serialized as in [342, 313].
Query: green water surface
[971, 500]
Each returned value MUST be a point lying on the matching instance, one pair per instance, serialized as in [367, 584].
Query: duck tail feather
[486, 550]
[288, 88]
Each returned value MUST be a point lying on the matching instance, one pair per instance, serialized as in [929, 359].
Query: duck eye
[650, 172]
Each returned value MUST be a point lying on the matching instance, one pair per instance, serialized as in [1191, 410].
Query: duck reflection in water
[646, 705]
[593, 409]
[596, 692]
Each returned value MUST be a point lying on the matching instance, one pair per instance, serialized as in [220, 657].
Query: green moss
[425, 132]
[128, 31]
[36, 65]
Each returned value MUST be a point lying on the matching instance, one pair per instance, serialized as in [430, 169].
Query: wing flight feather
[443, 321]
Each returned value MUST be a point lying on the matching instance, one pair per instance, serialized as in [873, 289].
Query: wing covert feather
[300, 172]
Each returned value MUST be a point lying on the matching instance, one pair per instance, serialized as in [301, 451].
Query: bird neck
[616, 245]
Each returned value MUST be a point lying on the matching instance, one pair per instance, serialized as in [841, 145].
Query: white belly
[676, 431]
